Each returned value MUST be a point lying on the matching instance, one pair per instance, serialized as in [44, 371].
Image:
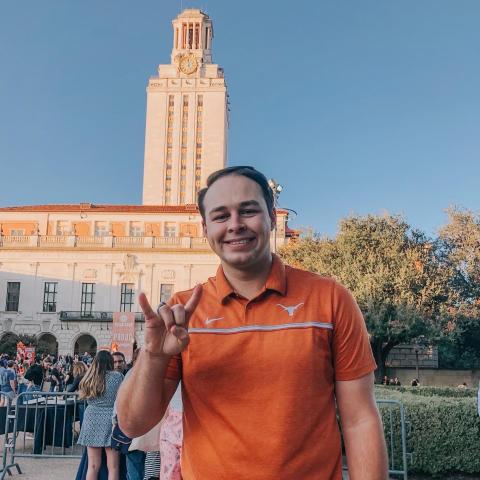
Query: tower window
[197, 35]
[190, 36]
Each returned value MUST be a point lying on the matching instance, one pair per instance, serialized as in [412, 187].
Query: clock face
[188, 64]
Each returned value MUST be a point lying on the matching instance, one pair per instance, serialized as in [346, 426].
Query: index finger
[193, 301]
[145, 306]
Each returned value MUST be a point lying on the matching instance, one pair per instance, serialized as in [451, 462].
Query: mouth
[239, 242]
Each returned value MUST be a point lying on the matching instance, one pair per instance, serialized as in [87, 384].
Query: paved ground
[46, 469]
[40, 468]
[51, 469]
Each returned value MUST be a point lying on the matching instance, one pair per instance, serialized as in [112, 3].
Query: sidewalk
[46, 469]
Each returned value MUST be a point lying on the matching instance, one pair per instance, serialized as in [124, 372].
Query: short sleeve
[352, 353]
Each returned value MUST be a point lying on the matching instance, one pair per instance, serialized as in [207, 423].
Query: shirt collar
[276, 280]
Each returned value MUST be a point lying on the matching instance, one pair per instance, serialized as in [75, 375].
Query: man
[35, 375]
[119, 362]
[9, 381]
[87, 358]
[3, 369]
[264, 352]
[56, 378]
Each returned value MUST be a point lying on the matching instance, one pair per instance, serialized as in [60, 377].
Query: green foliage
[444, 431]
[9, 343]
[461, 237]
[406, 284]
[459, 347]
[395, 273]
[451, 392]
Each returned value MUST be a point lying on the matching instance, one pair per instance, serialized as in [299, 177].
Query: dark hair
[10, 363]
[244, 171]
[119, 353]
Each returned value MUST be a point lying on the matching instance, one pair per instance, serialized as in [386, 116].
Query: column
[110, 286]
[71, 275]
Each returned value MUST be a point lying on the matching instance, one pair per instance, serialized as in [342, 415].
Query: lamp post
[276, 189]
[419, 346]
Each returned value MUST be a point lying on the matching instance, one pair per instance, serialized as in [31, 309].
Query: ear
[273, 219]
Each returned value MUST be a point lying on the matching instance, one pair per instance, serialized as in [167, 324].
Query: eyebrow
[248, 203]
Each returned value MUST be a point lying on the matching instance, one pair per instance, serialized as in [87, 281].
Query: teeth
[239, 242]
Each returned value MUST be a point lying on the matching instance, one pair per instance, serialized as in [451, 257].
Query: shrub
[443, 434]
[433, 391]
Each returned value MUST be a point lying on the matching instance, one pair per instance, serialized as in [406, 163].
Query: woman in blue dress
[99, 387]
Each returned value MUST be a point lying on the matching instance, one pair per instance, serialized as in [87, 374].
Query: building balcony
[15, 242]
[94, 316]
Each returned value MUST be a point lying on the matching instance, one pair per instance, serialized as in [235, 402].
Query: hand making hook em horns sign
[166, 330]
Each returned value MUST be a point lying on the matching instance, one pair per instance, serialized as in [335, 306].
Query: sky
[354, 107]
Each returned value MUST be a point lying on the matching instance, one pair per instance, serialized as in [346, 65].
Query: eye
[219, 218]
[248, 212]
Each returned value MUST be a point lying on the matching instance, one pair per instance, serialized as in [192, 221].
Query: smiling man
[265, 353]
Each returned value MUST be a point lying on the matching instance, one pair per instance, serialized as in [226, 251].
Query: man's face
[237, 223]
[118, 363]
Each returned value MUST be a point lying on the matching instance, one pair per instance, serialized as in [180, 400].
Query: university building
[64, 269]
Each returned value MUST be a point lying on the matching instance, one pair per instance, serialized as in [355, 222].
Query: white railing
[53, 240]
[18, 241]
[172, 242]
[91, 241]
[200, 243]
[103, 242]
[128, 241]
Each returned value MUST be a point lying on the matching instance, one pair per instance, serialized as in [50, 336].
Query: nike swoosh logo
[211, 320]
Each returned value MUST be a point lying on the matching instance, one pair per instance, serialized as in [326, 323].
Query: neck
[249, 282]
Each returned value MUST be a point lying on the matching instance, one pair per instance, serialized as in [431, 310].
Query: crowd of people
[391, 381]
[97, 379]
[48, 372]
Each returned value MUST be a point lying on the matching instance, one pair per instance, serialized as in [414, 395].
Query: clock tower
[187, 116]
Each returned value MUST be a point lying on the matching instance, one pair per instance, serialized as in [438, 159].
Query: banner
[25, 354]
[30, 354]
[123, 333]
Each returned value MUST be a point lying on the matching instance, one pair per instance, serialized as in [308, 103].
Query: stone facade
[187, 116]
[405, 356]
[436, 377]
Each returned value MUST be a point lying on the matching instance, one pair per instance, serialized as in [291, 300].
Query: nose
[236, 223]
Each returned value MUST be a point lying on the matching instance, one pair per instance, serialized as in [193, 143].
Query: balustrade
[95, 242]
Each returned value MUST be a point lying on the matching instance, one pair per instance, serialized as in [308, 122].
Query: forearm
[366, 450]
[140, 400]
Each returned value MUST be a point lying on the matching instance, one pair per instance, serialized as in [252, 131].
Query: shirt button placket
[247, 312]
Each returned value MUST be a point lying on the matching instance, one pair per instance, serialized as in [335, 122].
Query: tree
[396, 274]
[461, 242]
[10, 340]
[460, 237]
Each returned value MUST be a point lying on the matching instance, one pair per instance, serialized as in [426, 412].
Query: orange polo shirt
[258, 377]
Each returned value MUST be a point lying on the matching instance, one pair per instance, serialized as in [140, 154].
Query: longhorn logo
[290, 309]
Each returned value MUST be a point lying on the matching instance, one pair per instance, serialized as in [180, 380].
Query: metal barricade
[6, 428]
[46, 424]
[394, 427]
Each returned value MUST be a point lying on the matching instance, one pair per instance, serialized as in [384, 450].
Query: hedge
[433, 391]
[443, 434]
